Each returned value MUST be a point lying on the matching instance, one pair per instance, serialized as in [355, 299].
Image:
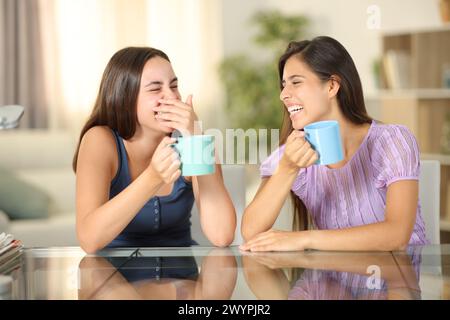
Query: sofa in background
[43, 159]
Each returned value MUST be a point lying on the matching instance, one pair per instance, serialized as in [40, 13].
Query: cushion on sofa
[22, 200]
[58, 183]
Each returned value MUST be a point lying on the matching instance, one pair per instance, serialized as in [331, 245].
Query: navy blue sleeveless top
[163, 221]
[140, 268]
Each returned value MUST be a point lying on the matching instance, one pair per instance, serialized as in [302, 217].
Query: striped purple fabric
[316, 284]
[355, 194]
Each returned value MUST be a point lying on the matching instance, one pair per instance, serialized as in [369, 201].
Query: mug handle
[177, 147]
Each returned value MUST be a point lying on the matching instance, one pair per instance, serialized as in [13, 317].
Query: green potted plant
[252, 89]
[376, 70]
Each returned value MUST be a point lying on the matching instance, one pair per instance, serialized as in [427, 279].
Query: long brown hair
[325, 57]
[116, 101]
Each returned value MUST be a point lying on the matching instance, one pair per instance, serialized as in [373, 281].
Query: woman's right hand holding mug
[166, 162]
[298, 153]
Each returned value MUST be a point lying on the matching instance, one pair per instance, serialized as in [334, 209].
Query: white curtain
[21, 61]
[82, 35]
[190, 32]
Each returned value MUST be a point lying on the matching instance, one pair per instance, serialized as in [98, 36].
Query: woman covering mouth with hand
[130, 192]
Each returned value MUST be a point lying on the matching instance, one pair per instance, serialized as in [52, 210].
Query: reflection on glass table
[332, 276]
[227, 273]
[140, 276]
[434, 271]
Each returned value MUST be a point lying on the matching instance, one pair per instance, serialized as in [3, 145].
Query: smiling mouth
[294, 109]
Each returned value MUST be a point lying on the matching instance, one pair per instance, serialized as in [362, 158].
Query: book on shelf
[397, 69]
[10, 253]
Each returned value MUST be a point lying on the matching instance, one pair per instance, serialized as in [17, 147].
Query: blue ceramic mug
[196, 155]
[325, 138]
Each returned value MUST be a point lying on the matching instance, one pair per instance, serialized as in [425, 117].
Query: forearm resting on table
[348, 262]
[217, 213]
[263, 211]
[394, 233]
[381, 236]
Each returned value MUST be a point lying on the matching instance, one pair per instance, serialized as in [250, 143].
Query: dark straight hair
[326, 57]
[116, 101]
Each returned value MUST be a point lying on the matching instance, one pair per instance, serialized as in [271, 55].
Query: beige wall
[345, 20]
[132, 19]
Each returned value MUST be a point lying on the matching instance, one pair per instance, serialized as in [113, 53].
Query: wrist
[153, 176]
[308, 239]
[287, 168]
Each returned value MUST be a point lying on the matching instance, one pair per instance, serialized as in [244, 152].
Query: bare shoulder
[99, 138]
[98, 147]
[99, 134]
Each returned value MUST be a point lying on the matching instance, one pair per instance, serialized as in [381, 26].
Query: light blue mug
[196, 155]
[325, 138]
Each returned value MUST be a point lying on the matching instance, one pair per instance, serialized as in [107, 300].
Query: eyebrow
[292, 77]
[160, 82]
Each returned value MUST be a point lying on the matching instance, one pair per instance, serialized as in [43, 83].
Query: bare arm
[352, 262]
[100, 220]
[99, 280]
[263, 211]
[218, 275]
[393, 233]
[217, 213]
[264, 282]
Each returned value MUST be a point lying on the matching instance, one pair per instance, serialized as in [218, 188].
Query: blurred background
[53, 52]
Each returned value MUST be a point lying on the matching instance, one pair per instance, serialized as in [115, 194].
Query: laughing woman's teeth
[294, 109]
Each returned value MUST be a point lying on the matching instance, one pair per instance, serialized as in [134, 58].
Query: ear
[334, 83]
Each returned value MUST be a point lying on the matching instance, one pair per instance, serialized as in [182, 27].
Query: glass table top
[200, 273]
